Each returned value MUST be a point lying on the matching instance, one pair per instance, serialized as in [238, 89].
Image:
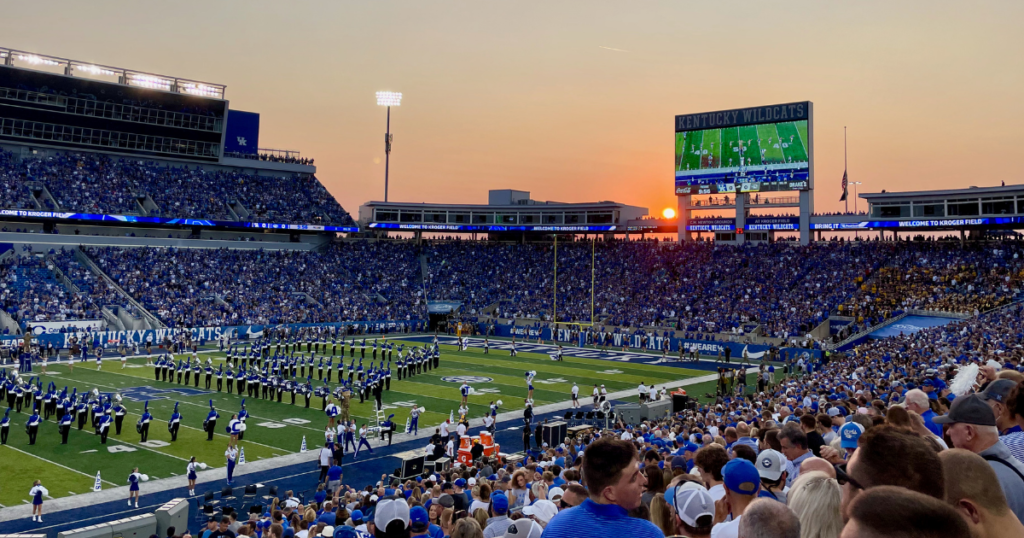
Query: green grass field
[276, 429]
[716, 148]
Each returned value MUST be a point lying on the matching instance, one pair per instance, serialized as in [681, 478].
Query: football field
[276, 429]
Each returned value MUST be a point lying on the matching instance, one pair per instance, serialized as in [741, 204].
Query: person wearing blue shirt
[5, 426]
[32, 426]
[104, 427]
[174, 423]
[615, 486]
[211, 422]
[142, 426]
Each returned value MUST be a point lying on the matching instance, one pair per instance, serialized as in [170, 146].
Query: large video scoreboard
[765, 148]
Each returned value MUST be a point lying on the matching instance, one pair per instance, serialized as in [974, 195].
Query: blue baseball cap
[741, 477]
[357, 515]
[419, 521]
[849, 434]
[499, 503]
[690, 447]
[461, 482]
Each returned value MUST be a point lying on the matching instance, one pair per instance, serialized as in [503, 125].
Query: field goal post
[593, 277]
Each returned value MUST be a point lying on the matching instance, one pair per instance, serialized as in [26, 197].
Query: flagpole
[846, 170]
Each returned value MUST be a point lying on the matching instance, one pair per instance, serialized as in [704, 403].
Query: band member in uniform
[64, 426]
[211, 422]
[119, 412]
[5, 426]
[143, 425]
[174, 423]
[104, 428]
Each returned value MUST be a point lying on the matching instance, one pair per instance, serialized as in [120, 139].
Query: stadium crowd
[916, 436]
[100, 184]
[30, 290]
[352, 281]
[704, 288]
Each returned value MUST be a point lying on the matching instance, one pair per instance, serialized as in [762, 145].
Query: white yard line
[57, 464]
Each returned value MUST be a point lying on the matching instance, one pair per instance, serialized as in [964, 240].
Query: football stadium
[204, 336]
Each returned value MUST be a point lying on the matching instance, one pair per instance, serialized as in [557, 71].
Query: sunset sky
[574, 100]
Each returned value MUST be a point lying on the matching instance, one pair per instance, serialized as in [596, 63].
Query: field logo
[139, 394]
[466, 379]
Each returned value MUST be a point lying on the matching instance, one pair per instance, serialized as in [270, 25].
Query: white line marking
[55, 463]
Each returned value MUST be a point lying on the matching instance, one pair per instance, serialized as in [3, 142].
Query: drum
[486, 438]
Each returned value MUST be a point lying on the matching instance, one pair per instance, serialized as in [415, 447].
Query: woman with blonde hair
[480, 515]
[815, 499]
[446, 521]
[467, 527]
[662, 515]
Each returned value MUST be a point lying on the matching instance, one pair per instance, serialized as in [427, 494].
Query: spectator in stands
[894, 512]
[742, 482]
[816, 500]
[793, 442]
[888, 456]
[765, 518]
[972, 426]
[615, 485]
[969, 491]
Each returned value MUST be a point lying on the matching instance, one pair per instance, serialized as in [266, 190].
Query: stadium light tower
[388, 99]
[855, 183]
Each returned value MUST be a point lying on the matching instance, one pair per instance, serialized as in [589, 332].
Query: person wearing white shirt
[325, 461]
[575, 396]
[626, 436]
[444, 430]
[642, 391]
[461, 429]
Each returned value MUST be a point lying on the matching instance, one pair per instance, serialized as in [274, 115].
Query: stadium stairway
[297, 472]
[152, 321]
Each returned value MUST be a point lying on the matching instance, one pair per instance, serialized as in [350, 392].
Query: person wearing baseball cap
[972, 426]
[694, 509]
[357, 520]
[742, 482]
[328, 532]
[391, 518]
[996, 394]
[498, 521]
[541, 511]
[848, 436]
[419, 521]
[523, 528]
[771, 465]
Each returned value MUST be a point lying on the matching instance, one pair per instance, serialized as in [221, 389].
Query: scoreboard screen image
[745, 150]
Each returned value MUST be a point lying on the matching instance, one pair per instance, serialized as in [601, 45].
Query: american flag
[845, 182]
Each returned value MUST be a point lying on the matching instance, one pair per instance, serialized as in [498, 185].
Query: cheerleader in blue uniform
[191, 472]
[37, 493]
[133, 487]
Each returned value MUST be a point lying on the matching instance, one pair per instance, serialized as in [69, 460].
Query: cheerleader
[190, 471]
[529, 384]
[37, 493]
[133, 487]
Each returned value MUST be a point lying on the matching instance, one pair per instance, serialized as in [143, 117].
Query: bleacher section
[100, 184]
